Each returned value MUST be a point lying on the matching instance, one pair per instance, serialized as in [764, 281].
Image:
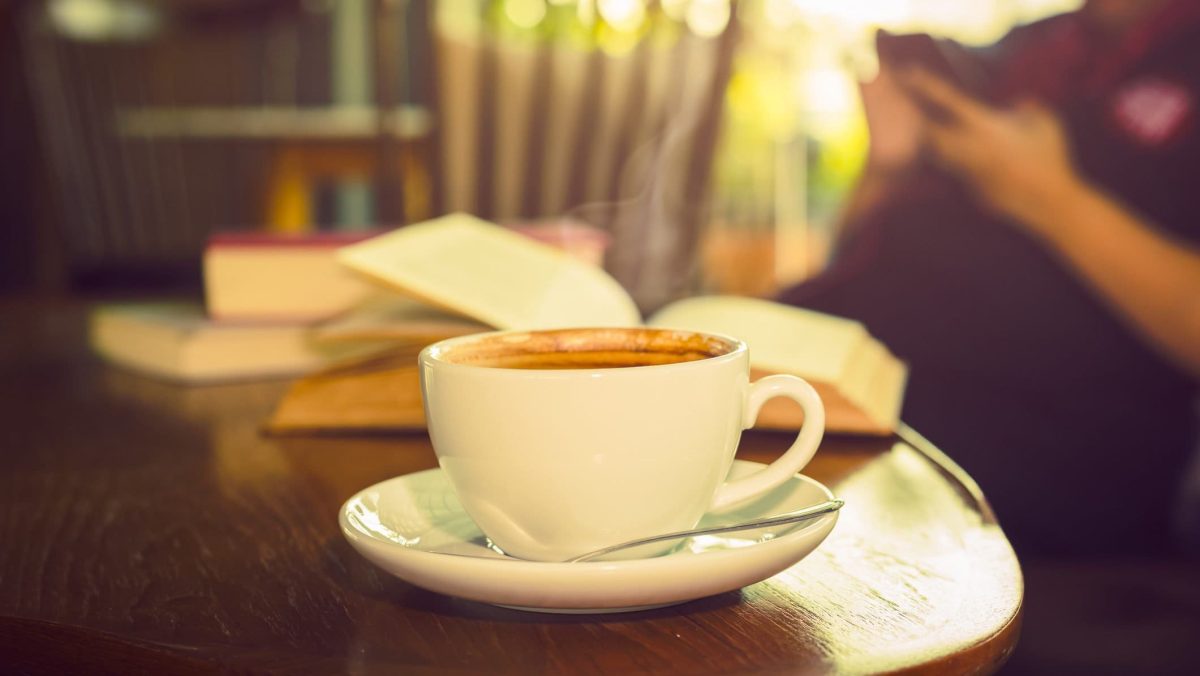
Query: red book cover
[248, 239]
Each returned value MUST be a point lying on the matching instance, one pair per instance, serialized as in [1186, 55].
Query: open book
[472, 268]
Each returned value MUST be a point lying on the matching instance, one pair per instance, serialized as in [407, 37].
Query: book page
[781, 338]
[492, 275]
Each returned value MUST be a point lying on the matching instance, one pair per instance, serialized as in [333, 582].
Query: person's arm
[1018, 162]
[1152, 281]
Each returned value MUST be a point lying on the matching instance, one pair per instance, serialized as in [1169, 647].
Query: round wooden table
[151, 527]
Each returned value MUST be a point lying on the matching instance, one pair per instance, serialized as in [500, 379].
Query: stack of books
[276, 306]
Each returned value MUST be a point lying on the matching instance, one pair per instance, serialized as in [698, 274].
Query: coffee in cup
[560, 442]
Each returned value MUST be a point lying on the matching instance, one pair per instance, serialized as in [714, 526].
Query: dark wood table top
[150, 528]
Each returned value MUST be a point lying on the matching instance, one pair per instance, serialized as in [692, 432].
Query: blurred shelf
[334, 123]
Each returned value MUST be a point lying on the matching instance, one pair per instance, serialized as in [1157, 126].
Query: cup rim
[434, 354]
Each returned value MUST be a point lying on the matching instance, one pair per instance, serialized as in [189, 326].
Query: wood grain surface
[151, 528]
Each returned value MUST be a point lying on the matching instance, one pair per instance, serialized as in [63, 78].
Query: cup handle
[796, 457]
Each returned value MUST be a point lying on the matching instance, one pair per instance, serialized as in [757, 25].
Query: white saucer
[413, 527]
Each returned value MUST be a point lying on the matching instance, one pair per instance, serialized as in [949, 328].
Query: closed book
[273, 277]
[177, 341]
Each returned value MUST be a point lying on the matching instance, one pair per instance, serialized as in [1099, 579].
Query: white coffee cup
[565, 441]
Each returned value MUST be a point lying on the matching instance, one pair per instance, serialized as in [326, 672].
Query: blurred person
[1035, 260]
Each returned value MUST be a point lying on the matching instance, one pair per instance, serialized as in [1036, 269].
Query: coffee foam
[587, 348]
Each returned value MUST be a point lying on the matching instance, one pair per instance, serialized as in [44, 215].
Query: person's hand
[895, 124]
[1017, 160]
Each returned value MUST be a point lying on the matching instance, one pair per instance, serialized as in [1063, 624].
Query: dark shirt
[1076, 429]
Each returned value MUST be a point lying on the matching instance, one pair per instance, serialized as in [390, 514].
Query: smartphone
[942, 58]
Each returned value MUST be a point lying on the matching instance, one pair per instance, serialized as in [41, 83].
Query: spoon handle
[797, 516]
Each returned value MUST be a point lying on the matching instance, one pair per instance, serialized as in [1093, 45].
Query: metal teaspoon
[797, 516]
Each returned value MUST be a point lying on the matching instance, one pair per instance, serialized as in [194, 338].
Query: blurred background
[712, 141]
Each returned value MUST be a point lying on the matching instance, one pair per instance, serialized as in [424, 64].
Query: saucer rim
[510, 561]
